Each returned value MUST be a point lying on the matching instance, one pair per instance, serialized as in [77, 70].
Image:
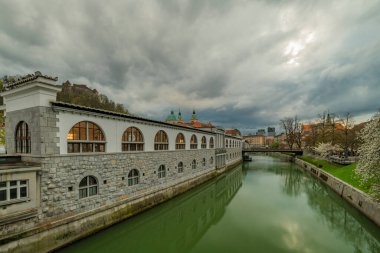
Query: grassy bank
[345, 173]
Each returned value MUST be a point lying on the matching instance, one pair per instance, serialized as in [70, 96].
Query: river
[262, 206]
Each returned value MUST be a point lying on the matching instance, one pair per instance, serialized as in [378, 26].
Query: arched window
[211, 144]
[85, 136]
[193, 142]
[180, 141]
[161, 141]
[204, 162]
[133, 177]
[226, 143]
[180, 167]
[194, 164]
[132, 140]
[88, 187]
[22, 138]
[161, 171]
[203, 142]
[211, 160]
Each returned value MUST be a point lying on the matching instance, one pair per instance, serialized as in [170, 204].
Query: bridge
[251, 149]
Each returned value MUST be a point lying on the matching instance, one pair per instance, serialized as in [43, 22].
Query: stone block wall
[43, 130]
[61, 176]
[233, 155]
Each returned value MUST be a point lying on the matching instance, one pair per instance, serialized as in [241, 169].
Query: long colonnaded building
[72, 170]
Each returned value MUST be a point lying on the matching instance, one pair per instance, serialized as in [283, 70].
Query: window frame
[7, 189]
[88, 187]
[133, 179]
[126, 145]
[193, 142]
[22, 138]
[180, 167]
[194, 164]
[86, 145]
[178, 143]
[203, 142]
[161, 172]
[211, 142]
[159, 141]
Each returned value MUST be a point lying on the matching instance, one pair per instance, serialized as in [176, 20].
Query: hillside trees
[82, 95]
[369, 155]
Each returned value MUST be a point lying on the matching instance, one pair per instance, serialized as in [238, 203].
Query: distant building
[260, 132]
[194, 122]
[271, 131]
[232, 132]
[257, 140]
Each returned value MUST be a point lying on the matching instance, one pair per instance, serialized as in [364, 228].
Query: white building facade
[75, 164]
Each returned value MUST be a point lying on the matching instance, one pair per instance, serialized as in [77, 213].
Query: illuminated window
[203, 142]
[133, 177]
[193, 142]
[180, 141]
[85, 137]
[161, 141]
[161, 171]
[88, 187]
[22, 138]
[132, 140]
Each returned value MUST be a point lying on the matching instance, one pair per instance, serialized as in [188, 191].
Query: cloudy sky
[242, 64]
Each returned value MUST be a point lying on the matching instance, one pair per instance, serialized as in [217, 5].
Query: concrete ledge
[53, 235]
[360, 200]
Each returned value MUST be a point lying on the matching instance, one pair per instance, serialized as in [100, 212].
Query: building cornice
[61, 106]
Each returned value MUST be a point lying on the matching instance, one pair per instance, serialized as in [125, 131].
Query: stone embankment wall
[355, 197]
[64, 217]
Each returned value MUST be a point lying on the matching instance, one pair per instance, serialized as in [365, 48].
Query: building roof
[26, 79]
[73, 107]
[171, 117]
[234, 132]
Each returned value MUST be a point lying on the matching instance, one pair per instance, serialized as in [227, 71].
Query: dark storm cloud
[239, 63]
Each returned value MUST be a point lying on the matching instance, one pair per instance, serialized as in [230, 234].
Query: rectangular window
[93, 190]
[87, 147]
[3, 195]
[83, 193]
[73, 147]
[100, 147]
[13, 190]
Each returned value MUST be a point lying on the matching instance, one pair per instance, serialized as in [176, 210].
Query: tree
[287, 125]
[348, 124]
[325, 149]
[369, 155]
[293, 131]
[275, 144]
[323, 126]
[332, 126]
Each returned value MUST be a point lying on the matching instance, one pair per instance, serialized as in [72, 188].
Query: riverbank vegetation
[369, 154]
[345, 173]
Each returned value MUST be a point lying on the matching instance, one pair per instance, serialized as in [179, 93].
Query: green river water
[263, 206]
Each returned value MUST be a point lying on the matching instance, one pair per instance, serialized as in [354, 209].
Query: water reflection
[339, 216]
[175, 226]
[267, 205]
